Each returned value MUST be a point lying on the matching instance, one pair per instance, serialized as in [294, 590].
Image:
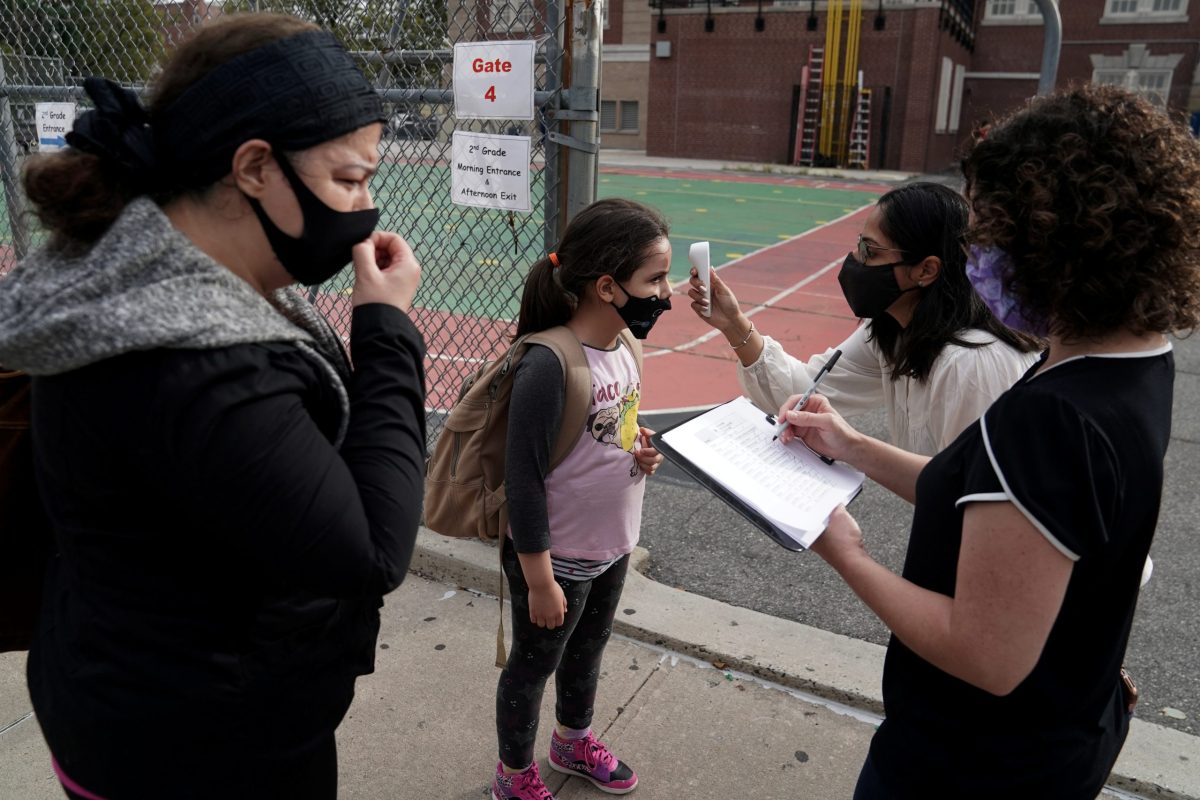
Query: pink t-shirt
[594, 497]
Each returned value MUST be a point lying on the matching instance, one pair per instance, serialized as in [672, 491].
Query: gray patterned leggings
[571, 651]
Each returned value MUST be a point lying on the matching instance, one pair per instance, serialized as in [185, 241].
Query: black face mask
[325, 243]
[870, 290]
[640, 313]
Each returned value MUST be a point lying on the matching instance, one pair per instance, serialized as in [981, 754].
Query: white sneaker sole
[596, 783]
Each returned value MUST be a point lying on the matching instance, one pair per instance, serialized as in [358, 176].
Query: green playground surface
[475, 260]
[736, 217]
[475, 263]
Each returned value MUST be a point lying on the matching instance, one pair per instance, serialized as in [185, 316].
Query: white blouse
[923, 416]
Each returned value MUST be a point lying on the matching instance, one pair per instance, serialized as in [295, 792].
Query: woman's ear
[927, 271]
[250, 163]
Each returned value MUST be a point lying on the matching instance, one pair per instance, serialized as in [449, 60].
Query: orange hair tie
[554, 260]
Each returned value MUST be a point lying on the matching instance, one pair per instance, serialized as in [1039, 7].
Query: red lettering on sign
[479, 65]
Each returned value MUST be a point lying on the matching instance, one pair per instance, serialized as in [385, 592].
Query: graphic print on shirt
[615, 421]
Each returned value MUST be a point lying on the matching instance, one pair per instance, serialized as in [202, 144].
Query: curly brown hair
[1095, 195]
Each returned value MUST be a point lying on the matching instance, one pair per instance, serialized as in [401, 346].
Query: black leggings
[571, 651]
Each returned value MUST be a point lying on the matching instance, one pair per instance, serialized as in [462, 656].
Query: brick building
[725, 81]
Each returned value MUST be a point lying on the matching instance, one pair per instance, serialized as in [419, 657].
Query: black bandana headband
[295, 93]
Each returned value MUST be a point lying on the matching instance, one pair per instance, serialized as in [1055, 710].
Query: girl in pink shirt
[572, 528]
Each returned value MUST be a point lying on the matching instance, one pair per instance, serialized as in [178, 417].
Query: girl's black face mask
[640, 313]
[870, 290]
[325, 243]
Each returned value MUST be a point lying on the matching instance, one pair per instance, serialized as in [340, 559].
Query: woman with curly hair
[1010, 622]
[928, 350]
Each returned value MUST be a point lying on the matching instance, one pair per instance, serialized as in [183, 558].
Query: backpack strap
[635, 346]
[577, 376]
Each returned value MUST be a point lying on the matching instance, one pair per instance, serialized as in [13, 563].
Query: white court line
[760, 307]
[706, 337]
[808, 232]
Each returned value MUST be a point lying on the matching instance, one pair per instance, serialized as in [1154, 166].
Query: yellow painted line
[777, 191]
[821, 221]
[701, 210]
[643, 194]
[734, 255]
[785, 236]
[739, 199]
[706, 238]
[347, 292]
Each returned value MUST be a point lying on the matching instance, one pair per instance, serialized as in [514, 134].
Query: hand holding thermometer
[782, 426]
[698, 255]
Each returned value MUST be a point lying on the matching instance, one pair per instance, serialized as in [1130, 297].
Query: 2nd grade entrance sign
[490, 171]
[493, 80]
[52, 122]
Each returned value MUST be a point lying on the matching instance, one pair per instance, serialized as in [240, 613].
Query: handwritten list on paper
[787, 484]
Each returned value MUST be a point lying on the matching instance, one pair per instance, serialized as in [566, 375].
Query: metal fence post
[1051, 46]
[9, 172]
[552, 225]
[582, 100]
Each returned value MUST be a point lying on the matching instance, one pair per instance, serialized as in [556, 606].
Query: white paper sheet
[787, 484]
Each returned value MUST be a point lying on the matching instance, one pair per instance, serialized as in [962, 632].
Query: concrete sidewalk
[787, 714]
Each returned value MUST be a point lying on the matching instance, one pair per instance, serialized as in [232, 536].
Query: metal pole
[1051, 46]
[9, 172]
[584, 95]
[550, 166]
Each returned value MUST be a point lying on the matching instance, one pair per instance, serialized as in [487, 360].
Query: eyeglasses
[867, 249]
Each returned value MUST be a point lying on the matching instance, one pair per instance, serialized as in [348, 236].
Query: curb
[1155, 762]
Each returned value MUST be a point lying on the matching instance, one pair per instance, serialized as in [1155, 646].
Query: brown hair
[609, 237]
[77, 195]
[1094, 195]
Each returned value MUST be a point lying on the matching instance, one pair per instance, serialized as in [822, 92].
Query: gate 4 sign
[493, 80]
[490, 171]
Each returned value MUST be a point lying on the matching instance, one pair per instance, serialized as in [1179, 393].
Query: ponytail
[76, 196]
[545, 303]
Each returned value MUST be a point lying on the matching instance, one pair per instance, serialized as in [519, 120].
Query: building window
[1153, 84]
[629, 116]
[1152, 9]
[513, 16]
[945, 86]
[608, 115]
[1025, 11]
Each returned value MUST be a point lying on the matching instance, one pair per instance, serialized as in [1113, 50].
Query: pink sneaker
[589, 758]
[525, 785]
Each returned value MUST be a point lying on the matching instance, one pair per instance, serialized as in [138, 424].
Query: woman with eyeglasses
[928, 349]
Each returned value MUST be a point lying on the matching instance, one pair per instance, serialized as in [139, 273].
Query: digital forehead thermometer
[698, 255]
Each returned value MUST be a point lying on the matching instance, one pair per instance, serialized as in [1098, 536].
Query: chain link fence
[474, 260]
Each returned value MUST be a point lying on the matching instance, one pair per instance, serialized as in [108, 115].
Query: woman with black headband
[231, 498]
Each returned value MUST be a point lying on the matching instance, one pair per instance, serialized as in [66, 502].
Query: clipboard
[730, 499]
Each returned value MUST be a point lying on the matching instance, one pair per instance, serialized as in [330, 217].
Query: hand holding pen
[803, 400]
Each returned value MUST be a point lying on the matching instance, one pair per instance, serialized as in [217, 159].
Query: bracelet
[742, 343]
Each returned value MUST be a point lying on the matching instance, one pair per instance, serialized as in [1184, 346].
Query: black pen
[782, 426]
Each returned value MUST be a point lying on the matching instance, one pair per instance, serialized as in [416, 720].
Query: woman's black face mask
[870, 290]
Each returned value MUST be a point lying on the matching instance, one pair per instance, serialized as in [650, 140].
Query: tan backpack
[464, 477]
